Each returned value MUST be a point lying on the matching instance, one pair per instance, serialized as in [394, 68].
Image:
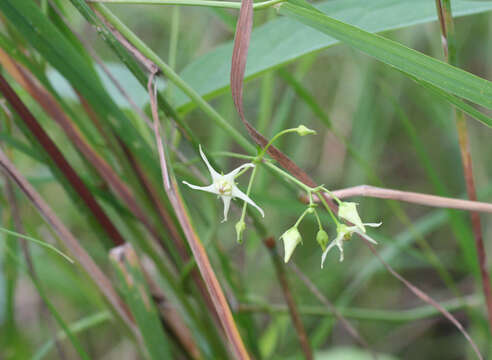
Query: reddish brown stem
[289, 299]
[170, 186]
[449, 47]
[475, 216]
[95, 273]
[408, 196]
[60, 161]
[324, 300]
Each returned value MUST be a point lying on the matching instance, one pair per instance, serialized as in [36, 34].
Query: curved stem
[264, 150]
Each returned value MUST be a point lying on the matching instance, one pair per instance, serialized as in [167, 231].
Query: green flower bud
[322, 239]
[291, 239]
[240, 227]
[302, 130]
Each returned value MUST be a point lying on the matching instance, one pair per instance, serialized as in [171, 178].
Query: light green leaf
[284, 40]
[409, 61]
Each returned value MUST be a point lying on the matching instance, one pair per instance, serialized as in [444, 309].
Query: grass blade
[135, 290]
[409, 61]
[39, 242]
[284, 40]
[82, 257]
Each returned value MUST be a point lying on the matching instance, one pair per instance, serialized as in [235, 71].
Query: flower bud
[240, 227]
[302, 130]
[348, 211]
[322, 239]
[291, 239]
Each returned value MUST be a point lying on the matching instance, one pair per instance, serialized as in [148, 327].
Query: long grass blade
[409, 61]
[80, 255]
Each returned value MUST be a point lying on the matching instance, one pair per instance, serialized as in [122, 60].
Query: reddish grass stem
[411, 197]
[449, 46]
[289, 299]
[60, 161]
[218, 298]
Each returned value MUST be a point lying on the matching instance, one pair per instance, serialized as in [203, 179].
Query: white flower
[345, 232]
[225, 187]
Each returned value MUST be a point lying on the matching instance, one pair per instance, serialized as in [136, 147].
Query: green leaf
[134, 288]
[409, 61]
[36, 241]
[77, 70]
[284, 40]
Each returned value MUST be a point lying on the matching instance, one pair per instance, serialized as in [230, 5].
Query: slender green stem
[174, 77]
[307, 211]
[286, 175]
[248, 191]
[318, 220]
[39, 242]
[333, 196]
[264, 150]
[327, 207]
[243, 171]
[205, 3]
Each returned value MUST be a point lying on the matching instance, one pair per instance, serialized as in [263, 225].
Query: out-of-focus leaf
[136, 293]
[349, 353]
[413, 63]
[281, 41]
[119, 71]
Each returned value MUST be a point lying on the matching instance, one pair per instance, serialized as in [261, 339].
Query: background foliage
[374, 126]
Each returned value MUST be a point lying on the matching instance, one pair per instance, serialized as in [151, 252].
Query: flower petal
[338, 242]
[340, 247]
[236, 171]
[211, 170]
[227, 204]
[367, 237]
[239, 194]
[373, 224]
[348, 211]
[211, 188]
[291, 239]
[328, 248]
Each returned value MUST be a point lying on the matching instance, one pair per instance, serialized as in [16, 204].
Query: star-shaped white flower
[344, 232]
[224, 186]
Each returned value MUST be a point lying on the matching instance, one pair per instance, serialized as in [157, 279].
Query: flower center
[224, 187]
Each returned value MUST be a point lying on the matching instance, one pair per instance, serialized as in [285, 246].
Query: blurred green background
[400, 136]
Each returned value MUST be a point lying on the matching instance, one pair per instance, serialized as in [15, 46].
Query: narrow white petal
[367, 237]
[227, 204]
[340, 247]
[328, 248]
[211, 170]
[373, 224]
[210, 188]
[238, 193]
[236, 171]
